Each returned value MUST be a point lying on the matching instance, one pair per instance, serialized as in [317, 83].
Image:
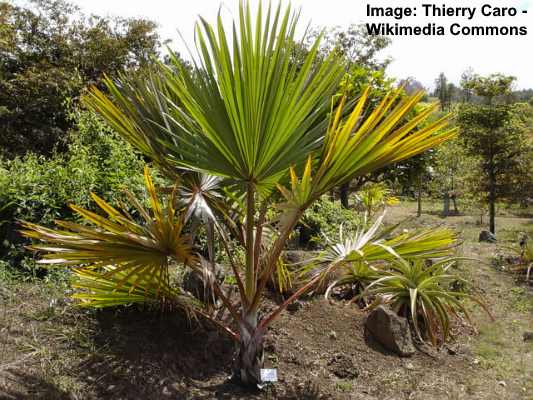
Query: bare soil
[50, 350]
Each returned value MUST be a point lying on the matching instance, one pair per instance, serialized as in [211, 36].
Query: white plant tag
[269, 375]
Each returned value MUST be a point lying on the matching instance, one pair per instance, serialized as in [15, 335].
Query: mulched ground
[52, 351]
[320, 351]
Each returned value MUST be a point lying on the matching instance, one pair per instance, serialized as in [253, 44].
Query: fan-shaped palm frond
[103, 288]
[354, 146]
[247, 113]
[134, 248]
[374, 245]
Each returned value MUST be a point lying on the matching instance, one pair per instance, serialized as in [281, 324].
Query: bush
[38, 189]
[324, 218]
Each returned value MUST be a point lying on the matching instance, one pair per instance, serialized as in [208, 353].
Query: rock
[391, 331]
[197, 285]
[342, 367]
[295, 256]
[502, 383]
[486, 236]
[451, 350]
[409, 366]
[4, 293]
[333, 335]
[294, 306]
[528, 336]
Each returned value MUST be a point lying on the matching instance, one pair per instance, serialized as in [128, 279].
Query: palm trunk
[249, 360]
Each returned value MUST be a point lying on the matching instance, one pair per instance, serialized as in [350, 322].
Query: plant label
[269, 375]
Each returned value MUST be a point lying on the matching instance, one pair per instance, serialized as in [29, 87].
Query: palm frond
[100, 288]
[247, 112]
[355, 146]
[374, 246]
[138, 249]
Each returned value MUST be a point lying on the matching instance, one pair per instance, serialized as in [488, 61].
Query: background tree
[411, 85]
[494, 132]
[49, 52]
[464, 83]
[354, 45]
[449, 172]
[443, 91]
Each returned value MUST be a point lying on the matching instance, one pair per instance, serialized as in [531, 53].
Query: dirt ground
[50, 350]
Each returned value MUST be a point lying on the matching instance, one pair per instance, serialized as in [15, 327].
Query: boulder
[294, 306]
[487, 236]
[528, 336]
[295, 256]
[342, 367]
[391, 331]
[197, 284]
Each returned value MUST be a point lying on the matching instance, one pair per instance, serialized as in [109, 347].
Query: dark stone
[487, 236]
[342, 367]
[294, 306]
[4, 293]
[295, 256]
[198, 285]
[391, 331]
[528, 336]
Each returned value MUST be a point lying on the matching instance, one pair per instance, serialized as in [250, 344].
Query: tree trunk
[455, 209]
[492, 202]
[492, 215]
[446, 209]
[344, 192]
[249, 360]
[419, 197]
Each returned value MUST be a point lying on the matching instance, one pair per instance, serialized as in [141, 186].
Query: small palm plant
[526, 257]
[373, 197]
[359, 259]
[423, 294]
[267, 127]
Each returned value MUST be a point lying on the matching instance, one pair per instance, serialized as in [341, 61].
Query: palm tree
[273, 133]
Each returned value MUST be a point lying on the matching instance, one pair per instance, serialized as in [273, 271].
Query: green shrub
[38, 189]
[324, 218]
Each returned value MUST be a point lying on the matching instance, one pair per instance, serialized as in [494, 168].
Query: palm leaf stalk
[248, 114]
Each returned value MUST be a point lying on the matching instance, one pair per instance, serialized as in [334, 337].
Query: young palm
[264, 124]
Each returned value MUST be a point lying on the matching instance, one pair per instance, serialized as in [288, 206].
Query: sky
[422, 57]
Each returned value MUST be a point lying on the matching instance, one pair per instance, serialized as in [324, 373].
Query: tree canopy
[49, 52]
